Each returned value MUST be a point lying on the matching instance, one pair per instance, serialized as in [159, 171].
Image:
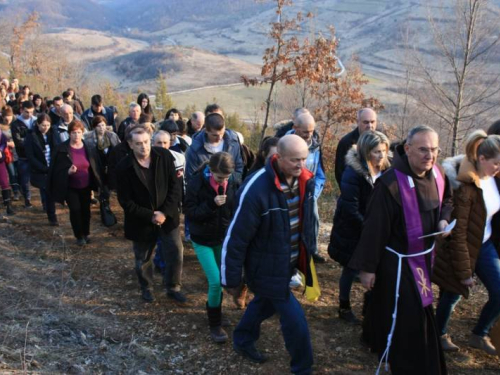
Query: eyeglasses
[424, 151]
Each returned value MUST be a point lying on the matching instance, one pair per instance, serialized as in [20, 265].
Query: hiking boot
[348, 316]
[447, 344]
[483, 343]
[251, 353]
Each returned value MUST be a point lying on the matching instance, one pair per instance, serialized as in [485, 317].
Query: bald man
[270, 239]
[366, 120]
[304, 126]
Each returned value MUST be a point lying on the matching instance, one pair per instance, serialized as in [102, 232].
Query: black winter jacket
[258, 237]
[207, 221]
[107, 113]
[356, 187]
[35, 152]
[139, 203]
[19, 132]
[57, 183]
[343, 148]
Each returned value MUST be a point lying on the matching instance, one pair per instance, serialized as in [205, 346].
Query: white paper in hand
[446, 230]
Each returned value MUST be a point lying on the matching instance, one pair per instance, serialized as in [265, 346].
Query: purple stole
[414, 230]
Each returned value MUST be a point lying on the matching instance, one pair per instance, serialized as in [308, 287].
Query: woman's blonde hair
[478, 143]
[368, 141]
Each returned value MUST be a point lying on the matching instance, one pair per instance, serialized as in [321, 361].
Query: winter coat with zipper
[139, 204]
[198, 154]
[207, 221]
[258, 237]
[107, 113]
[57, 183]
[457, 254]
[356, 187]
[35, 152]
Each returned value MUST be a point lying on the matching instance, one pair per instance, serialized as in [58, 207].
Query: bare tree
[458, 80]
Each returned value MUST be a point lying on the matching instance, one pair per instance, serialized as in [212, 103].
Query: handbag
[108, 218]
[7, 156]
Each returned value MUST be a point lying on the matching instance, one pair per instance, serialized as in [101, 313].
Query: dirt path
[65, 309]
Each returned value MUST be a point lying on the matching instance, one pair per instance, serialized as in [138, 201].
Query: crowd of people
[401, 221]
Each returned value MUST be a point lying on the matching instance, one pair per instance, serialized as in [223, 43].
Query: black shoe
[53, 223]
[318, 258]
[87, 239]
[251, 353]
[348, 316]
[10, 211]
[27, 203]
[147, 296]
[218, 335]
[177, 296]
[94, 201]
[80, 242]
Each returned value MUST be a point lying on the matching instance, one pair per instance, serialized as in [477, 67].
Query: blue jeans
[345, 283]
[23, 170]
[488, 271]
[293, 325]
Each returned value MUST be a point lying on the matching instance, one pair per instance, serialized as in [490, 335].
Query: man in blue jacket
[271, 234]
[212, 139]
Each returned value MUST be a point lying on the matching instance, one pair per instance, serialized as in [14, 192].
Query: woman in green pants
[209, 206]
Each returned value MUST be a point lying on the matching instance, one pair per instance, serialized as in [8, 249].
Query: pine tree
[163, 101]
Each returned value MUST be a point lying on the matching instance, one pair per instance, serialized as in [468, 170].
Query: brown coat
[456, 256]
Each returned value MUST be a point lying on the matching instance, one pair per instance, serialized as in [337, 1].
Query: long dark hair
[173, 110]
[148, 109]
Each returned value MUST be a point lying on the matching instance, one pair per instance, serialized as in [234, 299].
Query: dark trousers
[49, 204]
[78, 201]
[171, 253]
[293, 325]
[23, 172]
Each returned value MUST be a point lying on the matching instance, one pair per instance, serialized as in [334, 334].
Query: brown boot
[447, 344]
[241, 299]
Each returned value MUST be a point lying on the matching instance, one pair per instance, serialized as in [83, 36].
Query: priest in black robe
[415, 347]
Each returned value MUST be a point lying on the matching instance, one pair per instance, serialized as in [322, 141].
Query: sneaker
[250, 353]
[16, 196]
[177, 296]
[53, 223]
[147, 296]
[27, 203]
[348, 316]
[447, 344]
[10, 211]
[87, 239]
[94, 202]
[483, 343]
[318, 258]
[296, 281]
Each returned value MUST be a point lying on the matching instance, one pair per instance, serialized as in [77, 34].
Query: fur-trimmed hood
[352, 159]
[460, 170]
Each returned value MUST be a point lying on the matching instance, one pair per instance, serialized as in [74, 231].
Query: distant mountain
[61, 13]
